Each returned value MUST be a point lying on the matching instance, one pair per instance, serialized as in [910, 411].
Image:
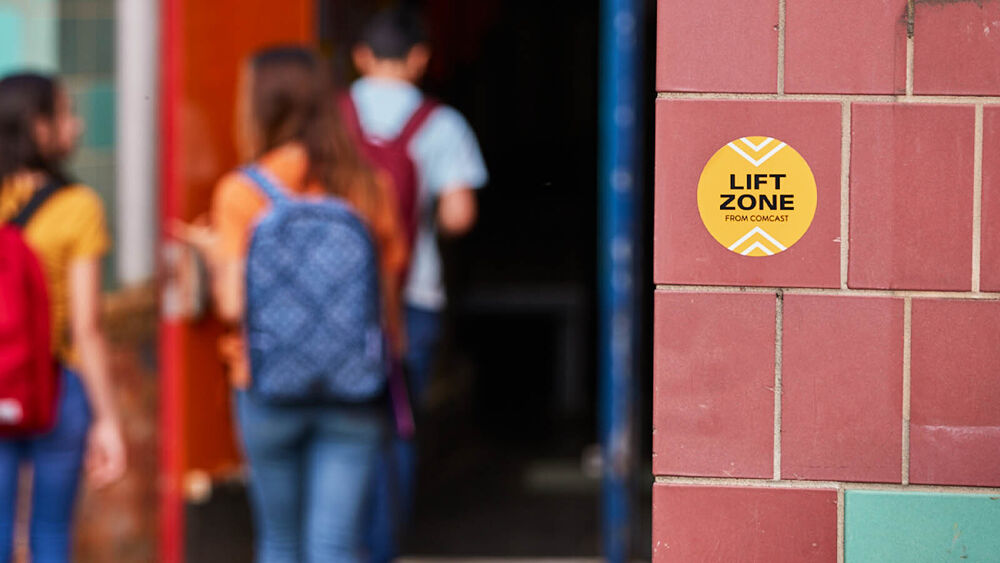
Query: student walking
[389, 113]
[56, 407]
[306, 256]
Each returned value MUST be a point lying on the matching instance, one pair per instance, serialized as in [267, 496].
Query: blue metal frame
[620, 145]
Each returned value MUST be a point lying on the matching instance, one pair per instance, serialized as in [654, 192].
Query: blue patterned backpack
[313, 322]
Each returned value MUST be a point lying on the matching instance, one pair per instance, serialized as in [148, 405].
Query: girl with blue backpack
[306, 257]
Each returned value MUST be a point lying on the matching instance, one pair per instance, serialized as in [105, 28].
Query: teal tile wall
[28, 35]
[11, 52]
[86, 44]
[86, 65]
[96, 103]
[904, 527]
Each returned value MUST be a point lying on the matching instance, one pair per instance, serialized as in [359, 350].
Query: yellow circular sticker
[757, 196]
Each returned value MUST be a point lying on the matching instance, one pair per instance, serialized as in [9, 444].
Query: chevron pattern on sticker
[757, 196]
[758, 240]
[749, 150]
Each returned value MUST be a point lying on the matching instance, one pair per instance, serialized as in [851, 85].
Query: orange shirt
[238, 202]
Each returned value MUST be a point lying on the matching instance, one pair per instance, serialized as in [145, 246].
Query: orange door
[203, 44]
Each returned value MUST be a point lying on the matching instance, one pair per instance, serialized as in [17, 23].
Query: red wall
[867, 356]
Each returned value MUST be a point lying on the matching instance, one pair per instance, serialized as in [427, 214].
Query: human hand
[199, 234]
[105, 461]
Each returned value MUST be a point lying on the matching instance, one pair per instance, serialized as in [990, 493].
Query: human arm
[453, 169]
[222, 239]
[225, 272]
[227, 289]
[457, 211]
[106, 459]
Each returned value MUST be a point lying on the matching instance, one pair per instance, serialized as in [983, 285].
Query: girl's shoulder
[74, 197]
[71, 221]
[77, 196]
[235, 192]
[72, 207]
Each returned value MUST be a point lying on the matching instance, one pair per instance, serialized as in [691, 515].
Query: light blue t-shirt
[446, 155]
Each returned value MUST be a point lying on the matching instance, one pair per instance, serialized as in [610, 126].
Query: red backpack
[29, 383]
[391, 156]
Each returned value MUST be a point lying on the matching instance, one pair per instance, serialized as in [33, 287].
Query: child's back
[392, 57]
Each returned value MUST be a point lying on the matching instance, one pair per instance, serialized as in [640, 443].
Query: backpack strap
[266, 182]
[416, 121]
[349, 111]
[35, 203]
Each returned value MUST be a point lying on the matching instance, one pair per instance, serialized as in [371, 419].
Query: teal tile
[96, 169]
[28, 30]
[68, 48]
[11, 54]
[86, 46]
[96, 105]
[887, 527]
[104, 49]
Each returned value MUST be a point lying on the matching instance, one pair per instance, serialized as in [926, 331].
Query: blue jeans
[310, 468]
[57, 458]
[391, 502]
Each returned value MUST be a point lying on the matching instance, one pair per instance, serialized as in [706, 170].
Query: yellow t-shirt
[70, 225]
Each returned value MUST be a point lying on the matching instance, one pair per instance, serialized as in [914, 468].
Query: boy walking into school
[436, 197]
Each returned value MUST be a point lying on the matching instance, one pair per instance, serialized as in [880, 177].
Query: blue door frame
[621, 44]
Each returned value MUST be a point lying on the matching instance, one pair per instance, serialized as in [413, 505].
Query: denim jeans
[310, 470]
[391, 502]
[57, 460]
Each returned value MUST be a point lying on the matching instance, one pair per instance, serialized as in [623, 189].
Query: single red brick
[713, 397]
[954, 393]
[956, 48]
[688, 133]
[831, 48]
[990, 251]
[842, 388]
[776, 525]
[717, 46]
[911, 196]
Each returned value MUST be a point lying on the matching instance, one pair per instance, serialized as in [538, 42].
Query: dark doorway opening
[508, 465]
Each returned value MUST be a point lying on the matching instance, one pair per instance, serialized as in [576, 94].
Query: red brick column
[866, 358]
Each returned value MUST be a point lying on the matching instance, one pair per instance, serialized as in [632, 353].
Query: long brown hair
[286, 97]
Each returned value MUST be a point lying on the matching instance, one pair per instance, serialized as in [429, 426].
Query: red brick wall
[867, 355]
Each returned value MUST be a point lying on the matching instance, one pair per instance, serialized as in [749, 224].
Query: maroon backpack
[391, 156]
[29, 382]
